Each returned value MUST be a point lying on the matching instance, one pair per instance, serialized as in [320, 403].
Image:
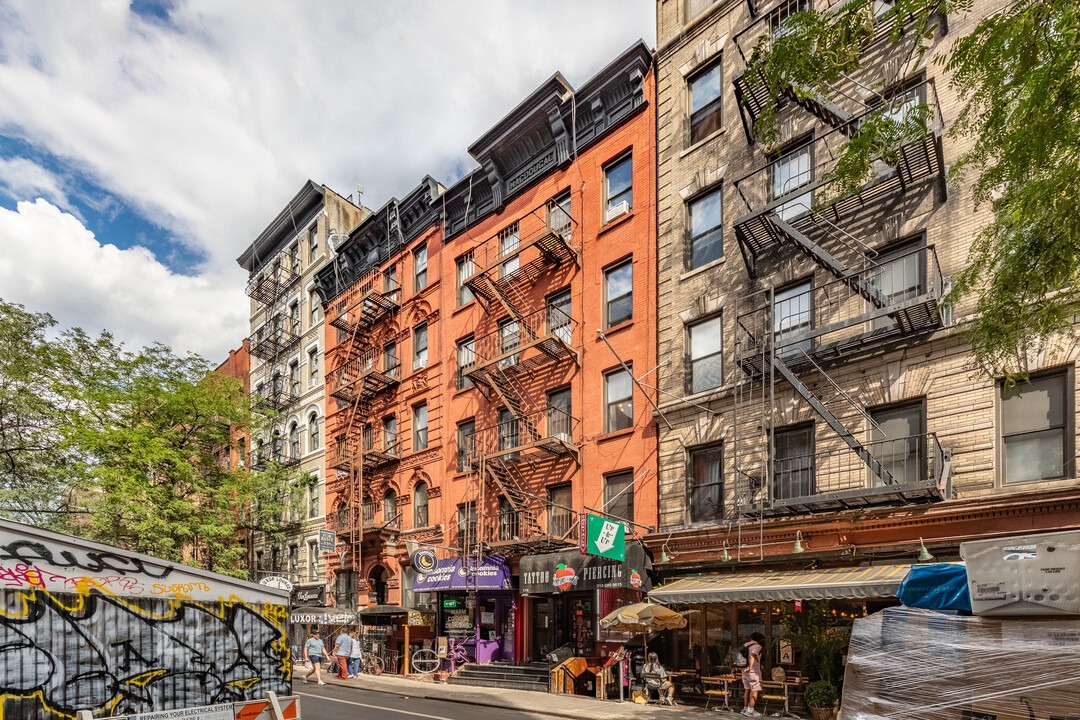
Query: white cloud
[50, 262]
[207, 125]
[25, 178]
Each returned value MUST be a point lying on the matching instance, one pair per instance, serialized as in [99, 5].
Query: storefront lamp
[664, 556]
[726, 557]
[798, 543]
[924, 554]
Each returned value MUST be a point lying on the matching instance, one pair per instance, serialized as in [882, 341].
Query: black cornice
[538, 136]
[380, 237]
[295, 216]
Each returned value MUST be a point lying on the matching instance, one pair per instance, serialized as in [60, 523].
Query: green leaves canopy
[125, 447]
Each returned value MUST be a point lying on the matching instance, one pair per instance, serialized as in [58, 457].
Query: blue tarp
[942, 586]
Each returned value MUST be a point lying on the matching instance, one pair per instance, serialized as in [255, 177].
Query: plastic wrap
[912, 664]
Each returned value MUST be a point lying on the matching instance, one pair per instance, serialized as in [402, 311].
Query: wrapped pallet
[925, 665]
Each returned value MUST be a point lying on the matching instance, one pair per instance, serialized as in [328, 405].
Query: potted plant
[821, 697]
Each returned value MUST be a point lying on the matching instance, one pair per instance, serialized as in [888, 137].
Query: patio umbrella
[641, 618]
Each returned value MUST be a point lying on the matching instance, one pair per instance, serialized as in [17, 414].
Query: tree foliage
[1018, 76]
[126, 447]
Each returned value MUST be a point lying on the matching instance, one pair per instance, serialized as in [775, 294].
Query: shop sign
[309, 596]
[569, 571]
[450, 602]
[327, 541]
[421, 618]
[453, 574]
[277, 582]
[602, 537]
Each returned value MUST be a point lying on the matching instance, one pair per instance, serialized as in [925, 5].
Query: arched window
[294, 440]
[313, 431]
[390, 508]
[420, 513]
[277, 446]
[343, 517]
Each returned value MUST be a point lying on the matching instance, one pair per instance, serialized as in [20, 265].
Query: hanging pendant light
[797, 548]
[924, 554]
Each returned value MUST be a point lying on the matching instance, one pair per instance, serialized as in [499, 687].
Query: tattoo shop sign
[37, 559]
[570, 571]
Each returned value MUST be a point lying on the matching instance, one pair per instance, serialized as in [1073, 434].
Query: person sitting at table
[656, 678]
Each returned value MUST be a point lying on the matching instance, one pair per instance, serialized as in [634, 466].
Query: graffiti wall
[87, 627]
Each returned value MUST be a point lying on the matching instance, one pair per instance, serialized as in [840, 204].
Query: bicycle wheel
[424, 661]
[376, 665]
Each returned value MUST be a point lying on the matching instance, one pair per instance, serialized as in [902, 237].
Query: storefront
[724, 610]
[476, 606]
[565, 593]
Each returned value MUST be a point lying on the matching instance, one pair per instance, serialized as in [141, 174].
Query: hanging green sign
[602, 537]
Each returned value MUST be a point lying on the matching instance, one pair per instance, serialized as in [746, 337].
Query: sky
[145, 144]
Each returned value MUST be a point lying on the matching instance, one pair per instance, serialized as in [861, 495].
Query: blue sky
[144, 145]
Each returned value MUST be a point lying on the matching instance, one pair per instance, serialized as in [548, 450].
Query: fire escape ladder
[823, 109]
[823, 259]
[833, 422]
[511, 394]
[507, 479]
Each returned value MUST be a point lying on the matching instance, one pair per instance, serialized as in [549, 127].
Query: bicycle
[371, 664]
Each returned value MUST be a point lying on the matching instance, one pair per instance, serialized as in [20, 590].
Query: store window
[1035, 434]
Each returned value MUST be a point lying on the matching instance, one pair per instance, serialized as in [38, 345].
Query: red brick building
[484, 342]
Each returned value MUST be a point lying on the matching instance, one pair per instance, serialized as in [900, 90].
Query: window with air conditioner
[618, 188]
[420, 346]
[313, 367]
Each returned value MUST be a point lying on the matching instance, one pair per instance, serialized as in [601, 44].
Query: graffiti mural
[85, 627]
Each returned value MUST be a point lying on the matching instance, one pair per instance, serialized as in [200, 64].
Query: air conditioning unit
[565, 437]
[1024, 574]
[616, 210]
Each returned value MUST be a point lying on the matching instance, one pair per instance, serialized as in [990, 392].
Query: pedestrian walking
[313, 657]
[342, 649]
[356, 654]
[751, 674]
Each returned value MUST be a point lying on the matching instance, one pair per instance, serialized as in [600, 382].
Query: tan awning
[862, 582]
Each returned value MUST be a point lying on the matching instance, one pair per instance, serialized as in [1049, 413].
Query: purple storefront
[476, 606]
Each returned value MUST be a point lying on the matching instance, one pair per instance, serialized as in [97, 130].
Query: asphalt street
[337, 703]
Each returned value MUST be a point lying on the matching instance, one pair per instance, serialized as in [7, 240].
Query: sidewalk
[568, 706]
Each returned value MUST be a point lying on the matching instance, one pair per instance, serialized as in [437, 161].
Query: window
[294, 560]
[367, 511]
[294, 441]
[313, 500]
[420, 438]
[466, 267]
[509, 339]
[466, 359]
[509, 433]
[560, 510]
[619, 497]
[792, 170]
[420, 269]
[707, 484]
[466, 524]
[900, 276]
[705, 102]
[619, 293]
[508, 524]
[294, 377]
[560, 415]
[367, 441]
[619, 400]
[314, 308]
[793, 315]
[420, 505]
[390, 361]
[779, 19]
[899, 442]
[419, 347]
[900, 102]
[882, 8]
[508, 245]
[1035, 428]
[619, 185]
[696, 7]
[389, 434]
[390, 283]
[312, 561]
[558, 317]
[294, 258]
[706, 366]
[706, 229]
[241, 450]
[390, 508]
[294, 317]
[465, 451]
[313, 243]
[313, 432]
[793, 463]
[313, 367]
[559, 219]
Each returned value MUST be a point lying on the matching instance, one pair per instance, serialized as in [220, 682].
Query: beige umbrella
[641, 618]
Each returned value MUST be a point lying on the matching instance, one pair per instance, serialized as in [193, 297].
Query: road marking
[373, 707]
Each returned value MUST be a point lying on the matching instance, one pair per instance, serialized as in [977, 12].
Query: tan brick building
[819, 408]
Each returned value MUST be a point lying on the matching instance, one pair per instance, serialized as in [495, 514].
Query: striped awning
[861, 582]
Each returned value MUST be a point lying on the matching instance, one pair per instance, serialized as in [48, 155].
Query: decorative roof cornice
[295, 216]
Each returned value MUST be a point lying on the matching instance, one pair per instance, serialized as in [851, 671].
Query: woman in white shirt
[355, 655]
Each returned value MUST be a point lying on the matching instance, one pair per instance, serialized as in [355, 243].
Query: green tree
[124, 447]
[1018, 75]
